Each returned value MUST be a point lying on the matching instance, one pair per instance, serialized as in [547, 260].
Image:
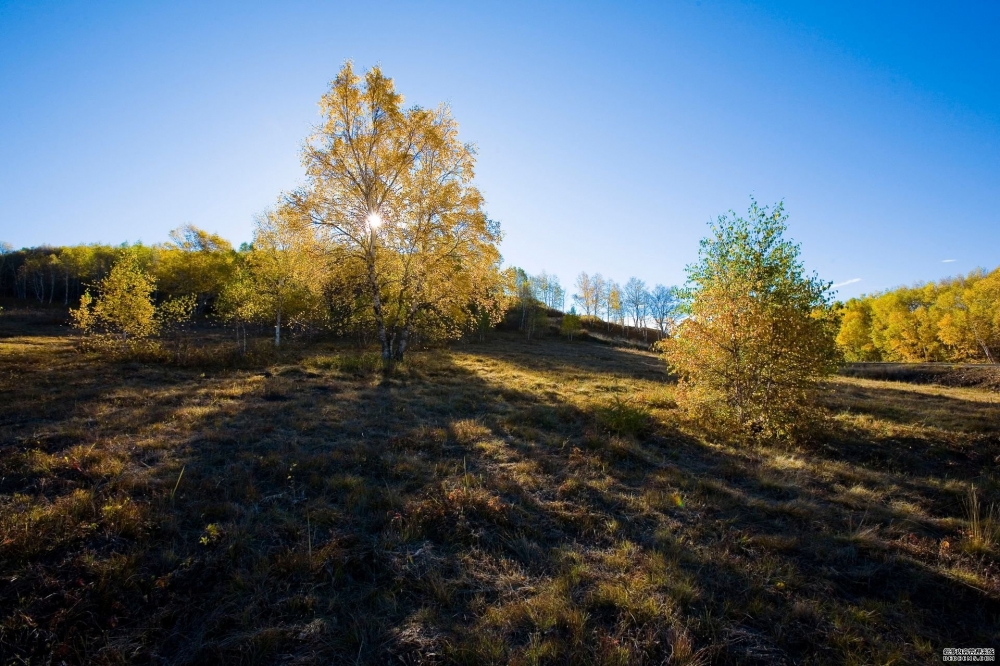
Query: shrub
[570, 325]
[758, 334]
[624, 416]
[122, 317]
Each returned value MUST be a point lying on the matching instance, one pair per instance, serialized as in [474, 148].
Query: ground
[498, 502]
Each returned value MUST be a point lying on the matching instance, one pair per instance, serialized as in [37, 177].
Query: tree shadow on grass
[915, 405]
[468, 510]
[563, 359]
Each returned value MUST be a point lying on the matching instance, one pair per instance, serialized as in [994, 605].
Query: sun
[374, 220]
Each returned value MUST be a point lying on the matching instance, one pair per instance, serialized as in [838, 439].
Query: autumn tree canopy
[956, 319]
[758, 332]
[392, 188]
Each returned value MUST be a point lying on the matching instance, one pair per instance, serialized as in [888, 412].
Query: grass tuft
[624, 416]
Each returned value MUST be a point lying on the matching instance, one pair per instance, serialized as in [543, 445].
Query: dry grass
[509, 502]
[948, 374]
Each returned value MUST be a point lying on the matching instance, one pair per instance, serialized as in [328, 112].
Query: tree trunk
[404, 338]
[277, 329]
[986, 350]
[383, 334]
[388, 349]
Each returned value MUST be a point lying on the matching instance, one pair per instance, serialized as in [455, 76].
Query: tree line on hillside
[192, 262]
[388, 240]
[630, 304]
[956, 320]
[388, 237]
[597, 301]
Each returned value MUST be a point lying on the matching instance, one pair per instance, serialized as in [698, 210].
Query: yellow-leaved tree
[392, 189]
[970, 323]
[122, 315]
[286, 266]
[238, 303]
[956, 319]
[757, 333]
[194, 262]
[854, 337]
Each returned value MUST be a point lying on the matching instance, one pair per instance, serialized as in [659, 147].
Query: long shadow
[566, 358]
[914, 407]
[313, 515]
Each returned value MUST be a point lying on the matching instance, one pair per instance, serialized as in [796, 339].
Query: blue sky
[609, 134]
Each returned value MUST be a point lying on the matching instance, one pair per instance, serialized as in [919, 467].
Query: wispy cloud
[846, 282]
[947, 261]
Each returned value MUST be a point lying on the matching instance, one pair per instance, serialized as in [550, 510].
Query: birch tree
[239, 305]
[616, 308]
[663, 305]
[757, 338]
[122, 313]
[549, 291]
[600, 293]
[524, 288]
[587, 296]
[285, 265]
[636, 300]
[392, 187]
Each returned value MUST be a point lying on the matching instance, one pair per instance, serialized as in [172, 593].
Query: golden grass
[506, 502]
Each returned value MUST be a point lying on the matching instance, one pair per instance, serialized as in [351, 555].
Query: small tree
[174, 318]
[758, 335]
[239, 305]
[123, 314]
[286, 266]
[663, 306]
[571, 325]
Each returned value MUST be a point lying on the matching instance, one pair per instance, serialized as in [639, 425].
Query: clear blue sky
[609, 133]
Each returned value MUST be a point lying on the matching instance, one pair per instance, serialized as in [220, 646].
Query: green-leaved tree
[758, 333]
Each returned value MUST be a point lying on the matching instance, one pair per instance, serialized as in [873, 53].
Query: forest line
[955, 319]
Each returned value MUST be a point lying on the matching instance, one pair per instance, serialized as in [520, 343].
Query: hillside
[504, 501]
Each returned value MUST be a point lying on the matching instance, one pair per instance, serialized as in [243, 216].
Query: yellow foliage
[392, 188]
[571, 325]
[123, 314]
[757, 335]
[954, 320]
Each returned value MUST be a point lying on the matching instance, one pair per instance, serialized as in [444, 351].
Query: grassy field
[505, 502]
